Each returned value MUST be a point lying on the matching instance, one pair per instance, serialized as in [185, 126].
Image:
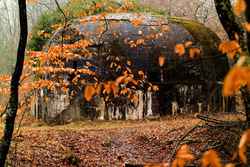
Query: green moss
[201, 33]
[76, 9]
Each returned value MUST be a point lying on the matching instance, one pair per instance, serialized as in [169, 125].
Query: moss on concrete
[201, 33]
[209, 41]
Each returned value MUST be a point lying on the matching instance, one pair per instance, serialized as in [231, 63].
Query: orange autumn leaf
[107, 88]
[83, 43]
[140, 42]
[183, 155]
[137, 22]
[180, 49]
[211, 159]
[33, 54]
[64, 89]
[161, 60]
[98, 5]
[98, 88]
[231, 48]
[155, 88]
[114, 88]
[134, 82]
[128, 79]
[240, 7]
[246, 26]
[156, 165]
[194, 52]
[178, 163]
[237, 77]
[230, 165]
[244, 143]
[120, 79]
[56, 26]
[188, 44]
[5, 78]
[110, 87]
[124, 91]
[89, 92]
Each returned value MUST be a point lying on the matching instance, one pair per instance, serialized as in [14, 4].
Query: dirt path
[105, 143]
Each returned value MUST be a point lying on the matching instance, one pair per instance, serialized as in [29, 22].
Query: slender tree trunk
[13, 101]
[233, 27]
[229, 22]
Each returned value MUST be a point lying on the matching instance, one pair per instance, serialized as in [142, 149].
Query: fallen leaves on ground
[110, 144]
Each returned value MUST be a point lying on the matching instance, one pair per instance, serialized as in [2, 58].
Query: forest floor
[112, 143]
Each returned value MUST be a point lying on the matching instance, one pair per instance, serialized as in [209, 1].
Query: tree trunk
[230, 23]
[13, 101]
[233, 28]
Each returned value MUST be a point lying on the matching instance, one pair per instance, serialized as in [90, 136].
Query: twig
[219, 123]
[60, 9]
[19, 124]
[209, 119]
[168, 142]
[173, 130]
[65, 22]
[181, 139]
[212, 144]
[18, 128]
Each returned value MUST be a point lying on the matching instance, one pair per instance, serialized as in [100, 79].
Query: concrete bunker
[193, 83]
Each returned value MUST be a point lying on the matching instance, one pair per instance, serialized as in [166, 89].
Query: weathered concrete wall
[59, 110]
